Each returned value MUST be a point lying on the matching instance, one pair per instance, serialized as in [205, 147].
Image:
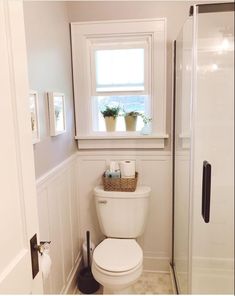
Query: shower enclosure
[203, 158]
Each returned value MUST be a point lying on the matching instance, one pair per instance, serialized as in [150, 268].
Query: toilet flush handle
[102, 201]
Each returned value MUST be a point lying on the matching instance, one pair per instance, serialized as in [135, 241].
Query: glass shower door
[212, 244]
[182, 151]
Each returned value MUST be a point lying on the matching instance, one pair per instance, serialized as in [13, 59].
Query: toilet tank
[122, 214]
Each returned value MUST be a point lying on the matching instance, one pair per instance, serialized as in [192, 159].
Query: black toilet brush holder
[86, 282]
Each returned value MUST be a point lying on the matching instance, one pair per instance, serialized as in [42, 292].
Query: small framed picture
[57, 113]
[33, 104]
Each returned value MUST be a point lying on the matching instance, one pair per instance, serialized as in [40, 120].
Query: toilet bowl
[118, 260]
[117, 264]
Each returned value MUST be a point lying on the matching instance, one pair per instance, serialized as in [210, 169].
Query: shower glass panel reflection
[203, 253]
[182, 145]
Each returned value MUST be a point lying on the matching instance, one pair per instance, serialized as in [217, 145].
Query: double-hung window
[120, 77]
[119, 63]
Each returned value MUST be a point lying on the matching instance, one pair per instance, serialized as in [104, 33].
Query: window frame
[86, 36]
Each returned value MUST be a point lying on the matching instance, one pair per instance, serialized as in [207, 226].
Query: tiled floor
[150, 283]
[153, 283]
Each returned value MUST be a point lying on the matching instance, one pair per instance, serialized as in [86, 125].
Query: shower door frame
[193, 12]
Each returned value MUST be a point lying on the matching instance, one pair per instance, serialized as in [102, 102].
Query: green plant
[111, 111]
[146, 119]
[132, 113]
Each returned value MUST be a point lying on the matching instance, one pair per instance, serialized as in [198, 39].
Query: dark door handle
[206, 191]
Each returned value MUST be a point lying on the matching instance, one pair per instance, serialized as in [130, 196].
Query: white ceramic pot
[110, 123]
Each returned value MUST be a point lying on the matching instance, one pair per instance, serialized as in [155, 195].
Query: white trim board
[127, 143]
[119, 21]
[71, 286]
[59, 222]
[83, 34]
[146, 153]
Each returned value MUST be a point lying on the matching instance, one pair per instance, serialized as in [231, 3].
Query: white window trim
[83, 34]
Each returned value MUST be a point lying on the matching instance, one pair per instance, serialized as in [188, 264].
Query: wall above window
[119, 63]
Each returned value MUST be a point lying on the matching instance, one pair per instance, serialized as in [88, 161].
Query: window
[120, 78]
[119, 63]
[127, 103]
[119, 69]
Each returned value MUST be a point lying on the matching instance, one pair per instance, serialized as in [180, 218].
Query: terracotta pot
[110, 123]
[130, 123]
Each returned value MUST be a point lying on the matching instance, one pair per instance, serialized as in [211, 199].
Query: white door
[18, 211]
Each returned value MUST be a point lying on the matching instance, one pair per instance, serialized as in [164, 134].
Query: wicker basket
[120, 184]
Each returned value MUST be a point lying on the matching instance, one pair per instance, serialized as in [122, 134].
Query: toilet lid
[118, 255]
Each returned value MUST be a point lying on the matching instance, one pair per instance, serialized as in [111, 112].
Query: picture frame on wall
[34, 115]
[57, 115]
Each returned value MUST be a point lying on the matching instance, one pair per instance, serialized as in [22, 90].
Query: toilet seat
[118, 255]
[116, 274]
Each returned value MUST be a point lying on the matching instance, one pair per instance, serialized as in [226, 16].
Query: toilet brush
[86, 282]
[88, 249]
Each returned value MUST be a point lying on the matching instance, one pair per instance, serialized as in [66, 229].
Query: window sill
[121, 141]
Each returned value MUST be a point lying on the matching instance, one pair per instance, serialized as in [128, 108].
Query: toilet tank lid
[140, 192]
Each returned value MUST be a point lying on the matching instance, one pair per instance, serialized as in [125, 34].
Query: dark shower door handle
[206, 191]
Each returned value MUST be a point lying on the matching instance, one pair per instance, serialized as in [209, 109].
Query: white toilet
[117, 260]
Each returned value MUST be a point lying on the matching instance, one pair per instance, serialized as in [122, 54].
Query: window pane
[119, 70]
[127, 103]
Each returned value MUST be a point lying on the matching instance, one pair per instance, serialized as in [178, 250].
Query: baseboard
[156, 264]
[71, 286]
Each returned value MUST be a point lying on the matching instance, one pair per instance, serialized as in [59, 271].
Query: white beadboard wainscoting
[67, 209]
[59, 223]
[154, 168]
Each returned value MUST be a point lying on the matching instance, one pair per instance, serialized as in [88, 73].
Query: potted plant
[146, 130]
[110, 115]
[131, 120]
